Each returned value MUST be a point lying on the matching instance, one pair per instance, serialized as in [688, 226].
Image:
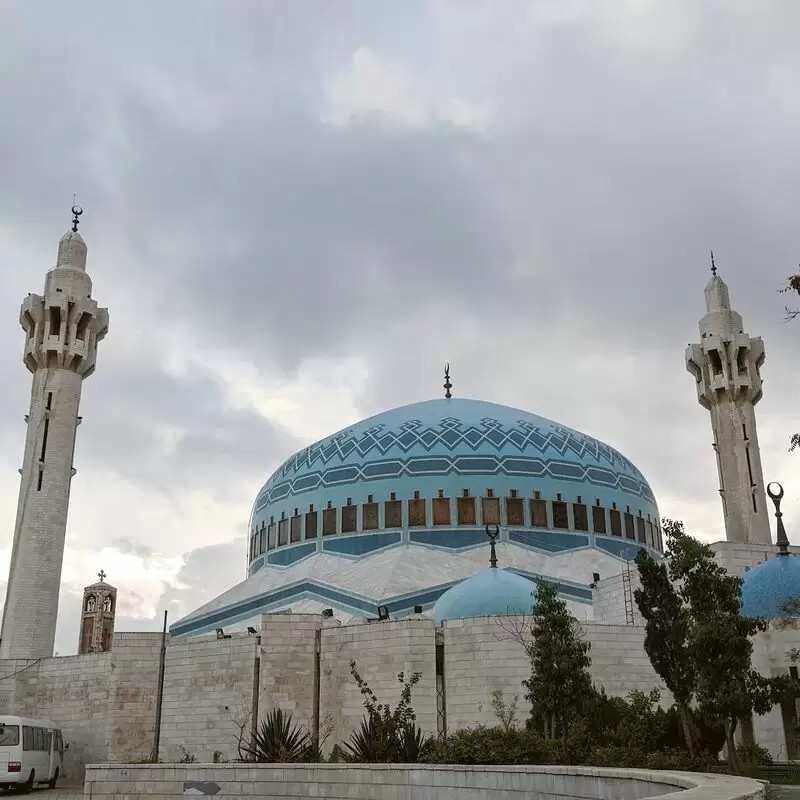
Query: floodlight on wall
[327, 612]
[596, 577]
[383, 613]
[417, 609]
[222, 635]
[251, 630]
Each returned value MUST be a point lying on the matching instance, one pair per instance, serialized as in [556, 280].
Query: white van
[31, 753]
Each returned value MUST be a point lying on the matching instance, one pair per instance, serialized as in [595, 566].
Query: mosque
[391, 512]
[386, 522]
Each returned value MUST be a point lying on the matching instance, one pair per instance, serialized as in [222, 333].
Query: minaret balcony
[77, 348]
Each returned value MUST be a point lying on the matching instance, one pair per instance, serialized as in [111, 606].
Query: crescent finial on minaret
[76, 212]
[447, 385]
[713, 265]
[782, 540]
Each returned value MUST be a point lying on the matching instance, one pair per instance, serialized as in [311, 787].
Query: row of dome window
[514, 511]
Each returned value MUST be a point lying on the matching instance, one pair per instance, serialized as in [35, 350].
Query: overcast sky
[297, 211]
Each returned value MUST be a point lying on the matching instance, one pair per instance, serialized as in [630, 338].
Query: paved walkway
[69, 791]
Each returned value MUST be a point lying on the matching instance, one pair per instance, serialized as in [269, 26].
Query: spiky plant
[278, 740]
[365, 744]
[411, 743]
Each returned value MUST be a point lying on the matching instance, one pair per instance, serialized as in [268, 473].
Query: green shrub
[492, 745]
[616, 756]
[753, 755]
[675, 758]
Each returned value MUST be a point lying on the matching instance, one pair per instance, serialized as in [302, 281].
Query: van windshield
[9, 735]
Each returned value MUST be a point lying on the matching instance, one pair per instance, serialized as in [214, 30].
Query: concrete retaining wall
[409, 782]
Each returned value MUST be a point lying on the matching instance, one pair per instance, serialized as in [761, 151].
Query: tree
[386, 734]
[560, 681]
[727, 687]
[667, 628]
[716, 646]
[792, 285]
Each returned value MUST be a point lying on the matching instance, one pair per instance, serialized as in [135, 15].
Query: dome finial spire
[447, 385]
[492, 534]
[782, 540]
[713, 265]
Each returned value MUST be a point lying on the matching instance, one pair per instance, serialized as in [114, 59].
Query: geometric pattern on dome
[446, 436]
[430, 466]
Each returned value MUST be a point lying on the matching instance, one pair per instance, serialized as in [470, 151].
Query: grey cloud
[206, 573]
[173, 433]
[557, 258]
[129, 546]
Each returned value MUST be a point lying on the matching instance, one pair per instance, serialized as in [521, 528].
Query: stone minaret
[726, 365]
[97, 617]
[62, 330]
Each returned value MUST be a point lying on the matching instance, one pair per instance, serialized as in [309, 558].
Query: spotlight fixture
[327, 612]
[417, 609]
[383, 613]
[222, 635]
[251, 630]
[596, 577]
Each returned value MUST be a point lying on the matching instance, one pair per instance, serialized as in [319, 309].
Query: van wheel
[27, 787]
[52, 783]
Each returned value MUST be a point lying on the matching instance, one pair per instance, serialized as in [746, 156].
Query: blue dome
[492, 592]
[452, 445]
[767, 588]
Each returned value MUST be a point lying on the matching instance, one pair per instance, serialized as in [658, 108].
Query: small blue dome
[767, 588]
[489, 593]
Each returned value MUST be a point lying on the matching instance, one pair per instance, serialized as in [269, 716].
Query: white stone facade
[62, 328]
[106, 702]
[726, 364]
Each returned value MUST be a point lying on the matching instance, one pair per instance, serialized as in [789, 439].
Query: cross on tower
[101, 575]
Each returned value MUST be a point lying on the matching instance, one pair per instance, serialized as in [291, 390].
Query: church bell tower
[62, 329]
[726, 365]
[97, 617]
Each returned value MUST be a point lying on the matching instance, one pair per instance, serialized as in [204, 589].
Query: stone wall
[381, 652]
[738, 557]
[288, 664]
[105, 702]
[418, 782]
[484, 654]
[609, 599]
[208, 693]
[132, 689]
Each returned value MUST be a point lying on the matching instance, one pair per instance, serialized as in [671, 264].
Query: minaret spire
[62, 329]
[726, 365]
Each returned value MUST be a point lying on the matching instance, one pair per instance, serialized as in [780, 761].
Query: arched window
[107, 605]
[91, 603]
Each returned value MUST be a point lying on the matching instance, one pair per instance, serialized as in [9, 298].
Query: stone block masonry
[483, 654]
[208, 691]
[106, 702]
[381, 651]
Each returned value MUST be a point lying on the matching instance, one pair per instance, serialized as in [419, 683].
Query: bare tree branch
[516, 628]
